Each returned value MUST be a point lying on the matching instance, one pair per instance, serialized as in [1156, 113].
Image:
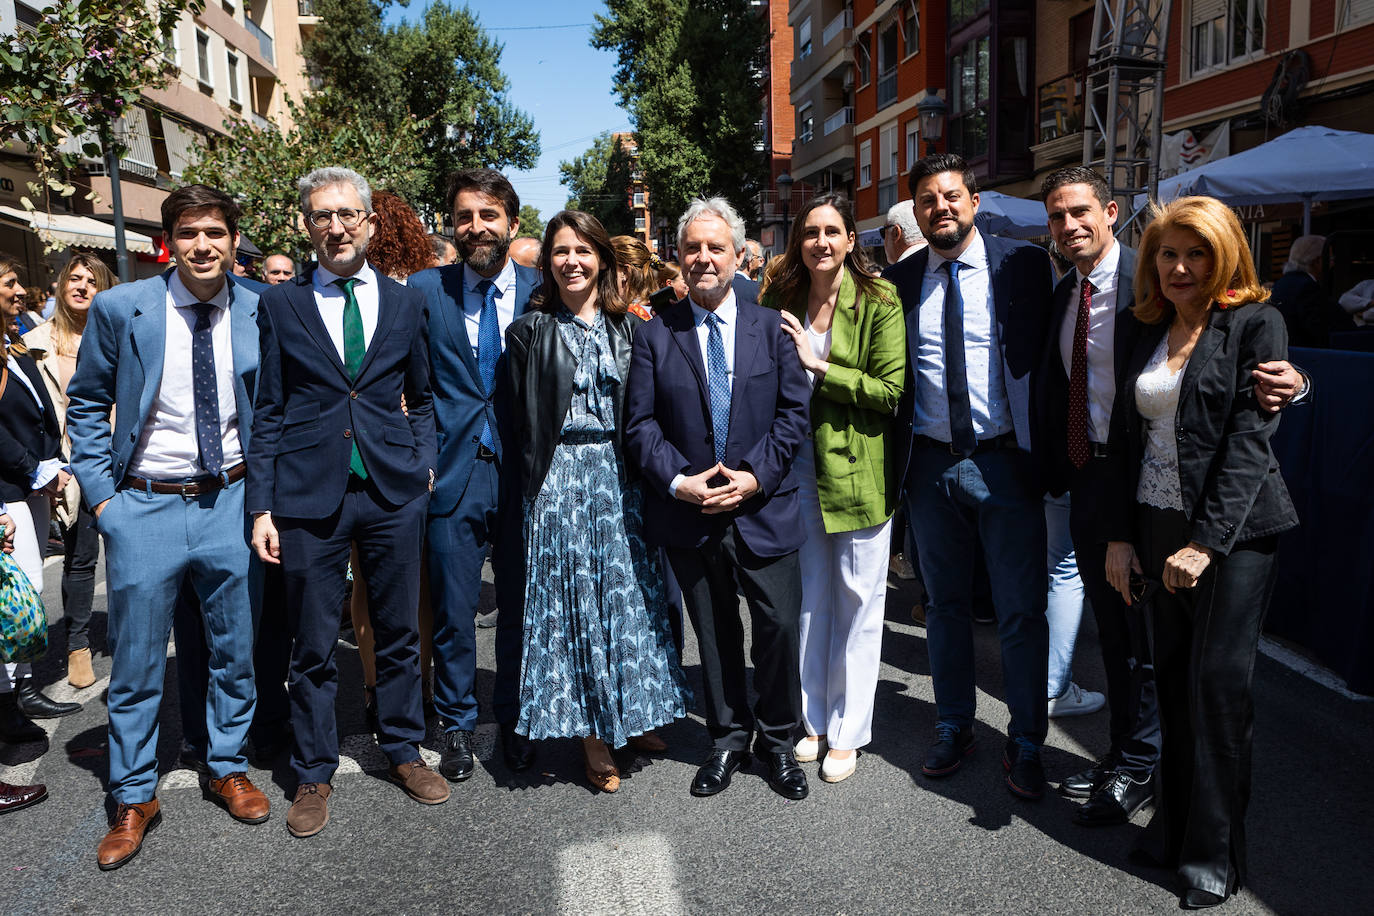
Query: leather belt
[1099, 450]
[1006, 440]
[484, 453]
[195, 486]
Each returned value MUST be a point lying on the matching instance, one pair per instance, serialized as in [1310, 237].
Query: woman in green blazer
[851, 339]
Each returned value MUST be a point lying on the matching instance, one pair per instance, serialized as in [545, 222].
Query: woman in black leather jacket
[599, 661]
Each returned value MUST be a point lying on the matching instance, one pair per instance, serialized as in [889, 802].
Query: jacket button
[708, 439]
[852, 459]
[353, 395]
[348, 434]
[1181, 435]
[476, 438]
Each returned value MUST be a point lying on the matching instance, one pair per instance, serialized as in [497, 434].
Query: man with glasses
[337, 460]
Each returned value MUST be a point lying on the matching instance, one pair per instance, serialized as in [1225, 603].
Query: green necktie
[354, 348]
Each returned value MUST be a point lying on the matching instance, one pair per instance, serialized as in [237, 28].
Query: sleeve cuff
[45, 472]
[672, 487]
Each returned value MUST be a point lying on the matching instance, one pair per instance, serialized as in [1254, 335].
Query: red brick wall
[782, 119]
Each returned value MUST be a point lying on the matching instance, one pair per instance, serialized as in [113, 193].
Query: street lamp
[785, 197]
[932, 110]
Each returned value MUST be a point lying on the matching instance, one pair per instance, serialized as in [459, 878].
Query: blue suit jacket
[120, 365]
[309, 412]
[1022, 283]
[460, 403]
[668, 427]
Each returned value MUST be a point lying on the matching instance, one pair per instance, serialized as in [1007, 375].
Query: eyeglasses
[348, 217]
[1142, 588]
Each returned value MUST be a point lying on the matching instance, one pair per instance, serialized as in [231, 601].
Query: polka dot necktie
[1078, 380]
[718, 382]
[961, 436]
[205, 390]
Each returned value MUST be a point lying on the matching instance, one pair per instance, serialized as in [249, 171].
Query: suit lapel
[997, 283]
[243, 334]
[1127, 328]
[682, 323]
[455, 322]
[1217, 324]
[386, 319]
[748, 344]
[302, 299]
[149, 332]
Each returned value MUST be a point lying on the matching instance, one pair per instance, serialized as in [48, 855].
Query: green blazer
[852, 408]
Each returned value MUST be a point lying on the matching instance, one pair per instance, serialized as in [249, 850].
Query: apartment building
[645, 229]
[777, 126]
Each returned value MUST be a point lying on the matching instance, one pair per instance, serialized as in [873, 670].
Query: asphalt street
[887, 840]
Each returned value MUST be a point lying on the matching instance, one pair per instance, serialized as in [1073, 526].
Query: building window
[865, 163]
[1354, 12]
[203, 58]
[969, 98]
[863, 61]
[1222, 32]
[232, 61]
[804, 38]
[913, 142]
[962, 11]
[888, 151]
[806, 125]
[911, 27]
[169, 47]
[887, 65]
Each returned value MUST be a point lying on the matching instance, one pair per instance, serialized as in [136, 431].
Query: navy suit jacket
[120, 364]
[746, 290]
[668, 428]
[309, 412]
[461, 405]
[1022, 283]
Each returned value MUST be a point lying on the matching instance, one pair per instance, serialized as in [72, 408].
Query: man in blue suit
[977, 311]
[343, 455]
[176, 357]
[717, 406]
[475, 506]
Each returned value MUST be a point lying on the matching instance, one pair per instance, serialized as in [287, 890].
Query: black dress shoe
[1084, 784]
[37, 705]
[13, 797]
[947, 754]
[15, 727]
[1025, 775]
[517, 750]
[455, 761]
[786, 778]
[714, 775]
[1198, 899]
[1115, 802]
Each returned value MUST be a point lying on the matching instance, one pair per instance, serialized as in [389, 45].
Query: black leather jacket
[538, 380]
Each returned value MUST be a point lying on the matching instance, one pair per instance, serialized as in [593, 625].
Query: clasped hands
[738, 486]
[1182, 569]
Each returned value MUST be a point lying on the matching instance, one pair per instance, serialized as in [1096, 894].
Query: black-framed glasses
[1143, 588]
[347, 216]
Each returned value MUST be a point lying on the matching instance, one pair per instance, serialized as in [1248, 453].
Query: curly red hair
[400, 245]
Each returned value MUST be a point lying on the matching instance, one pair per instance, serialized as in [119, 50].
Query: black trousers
[711, 577]
[1126, 661]
[1204, 641]
[81, 551]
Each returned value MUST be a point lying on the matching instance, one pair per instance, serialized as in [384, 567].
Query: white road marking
[1308, 668]
[628, 874]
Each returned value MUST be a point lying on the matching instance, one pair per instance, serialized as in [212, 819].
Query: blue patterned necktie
[718, 380]
[961, 436]
[488, 349]
[206, 391]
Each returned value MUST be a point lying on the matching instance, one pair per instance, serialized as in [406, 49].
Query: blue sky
[555, 77]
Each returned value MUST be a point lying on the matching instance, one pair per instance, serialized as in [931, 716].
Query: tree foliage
[531, 225]
[444, 68]
[598, 181]
[689, 72]
[259, 168]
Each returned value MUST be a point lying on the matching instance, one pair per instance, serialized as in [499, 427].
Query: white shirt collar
[183, 298]
[910, 251]
[502, 281]
[1104, 274]
[725, 311]
[324, 277]
[975, 255]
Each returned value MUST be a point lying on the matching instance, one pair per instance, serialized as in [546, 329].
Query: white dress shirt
[727, 312]
[473, 302]
[987, 393]
[167, 447]
[1101, 340]
[330, 300]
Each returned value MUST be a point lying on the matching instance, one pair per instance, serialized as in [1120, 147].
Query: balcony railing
[1060, 106]
[264, 40]
[887, 88]
[839, 119]
[845, 20]
[260, 122]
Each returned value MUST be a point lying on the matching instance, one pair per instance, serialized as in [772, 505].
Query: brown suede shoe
[79, 672]
[309, 812]
[125, 838]
[420, 782]
[244, 800]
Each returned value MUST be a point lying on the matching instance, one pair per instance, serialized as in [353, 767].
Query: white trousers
[30, 538]
[844, 592]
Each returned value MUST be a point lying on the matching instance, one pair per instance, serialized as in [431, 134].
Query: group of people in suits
[485, 407]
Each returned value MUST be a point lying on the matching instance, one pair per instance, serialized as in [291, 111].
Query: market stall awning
[78, 231]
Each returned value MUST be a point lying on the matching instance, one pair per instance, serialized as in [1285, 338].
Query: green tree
[531, 226]
[259, 168]
[689, 73]
[444, 68]
[598, 181]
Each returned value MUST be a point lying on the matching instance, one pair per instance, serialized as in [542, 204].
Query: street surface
[887, 840]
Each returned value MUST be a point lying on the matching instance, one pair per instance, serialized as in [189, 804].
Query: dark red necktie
[1078, 381]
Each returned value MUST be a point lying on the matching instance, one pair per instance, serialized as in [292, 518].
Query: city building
[645, 229]
[777, 126]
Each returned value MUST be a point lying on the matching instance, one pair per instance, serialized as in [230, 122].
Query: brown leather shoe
[648, 743]
[244, 800]
[13, 797]
[79, 672]
[125, 838]
[420, 782]
[309, 811]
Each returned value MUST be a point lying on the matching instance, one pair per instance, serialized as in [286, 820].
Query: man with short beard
[468, 307]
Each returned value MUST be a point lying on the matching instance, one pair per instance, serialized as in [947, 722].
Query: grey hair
[713, 206]
[903, 215]
[1305, 253]
[321, 178]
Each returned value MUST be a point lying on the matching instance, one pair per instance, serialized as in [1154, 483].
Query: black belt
[1006, 440]
[190, 487]
[484, 453]
[1099, 450]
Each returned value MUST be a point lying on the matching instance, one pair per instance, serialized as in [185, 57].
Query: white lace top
[1156, 397]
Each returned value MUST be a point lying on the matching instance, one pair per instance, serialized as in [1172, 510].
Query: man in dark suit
[1310, 313]
[977, 309]
[476, 504]
[717, 407]
[343, 454]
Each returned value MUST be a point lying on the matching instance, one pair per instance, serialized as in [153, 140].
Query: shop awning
[78, 231]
